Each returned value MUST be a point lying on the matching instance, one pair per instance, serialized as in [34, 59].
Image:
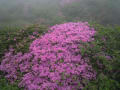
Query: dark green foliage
[18, 38]
[4, 34]
[5, 85]
[104, 55]
[103, 83]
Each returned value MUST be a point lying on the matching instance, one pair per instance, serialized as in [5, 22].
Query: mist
[27, 11]
[24, 12]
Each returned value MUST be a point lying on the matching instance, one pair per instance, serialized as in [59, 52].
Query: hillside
[59, 44]
[67, 56]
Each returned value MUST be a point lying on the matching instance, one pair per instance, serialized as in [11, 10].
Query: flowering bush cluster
[54, 60]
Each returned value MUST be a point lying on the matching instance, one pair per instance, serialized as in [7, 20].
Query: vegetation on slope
[103, 52]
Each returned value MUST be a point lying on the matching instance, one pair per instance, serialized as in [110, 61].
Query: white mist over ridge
[57, 11]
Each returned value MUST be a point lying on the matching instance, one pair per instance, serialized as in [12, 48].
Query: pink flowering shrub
[54, 60]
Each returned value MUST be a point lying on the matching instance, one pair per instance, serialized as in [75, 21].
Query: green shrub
[104, 55]
[17, 38]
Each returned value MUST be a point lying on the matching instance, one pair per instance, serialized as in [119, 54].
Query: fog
[50, 12]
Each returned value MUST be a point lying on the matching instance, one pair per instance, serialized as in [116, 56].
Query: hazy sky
[31, 11]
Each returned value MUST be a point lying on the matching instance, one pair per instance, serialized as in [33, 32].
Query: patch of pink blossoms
[54, 61]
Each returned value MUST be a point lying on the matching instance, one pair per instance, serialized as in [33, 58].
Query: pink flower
[53, 59]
